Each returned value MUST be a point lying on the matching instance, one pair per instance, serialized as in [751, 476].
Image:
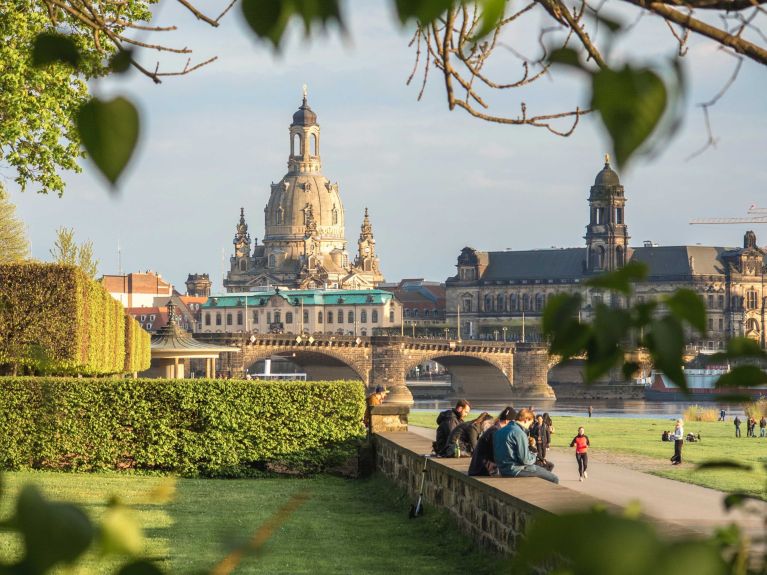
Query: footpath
[697, 508]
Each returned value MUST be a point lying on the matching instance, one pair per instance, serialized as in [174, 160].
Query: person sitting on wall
[447, 421]
[375, 398]
[512, 452]
[463, 439]
[482, 460]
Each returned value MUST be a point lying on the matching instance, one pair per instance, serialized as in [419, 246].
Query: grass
[641, 437]
[347, 526]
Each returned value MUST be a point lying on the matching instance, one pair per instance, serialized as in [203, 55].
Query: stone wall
[494, 512]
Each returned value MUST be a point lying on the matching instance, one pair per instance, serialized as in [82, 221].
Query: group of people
[751, 426]
[514, 444]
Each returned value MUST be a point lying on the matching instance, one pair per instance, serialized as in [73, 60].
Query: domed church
[304, 243]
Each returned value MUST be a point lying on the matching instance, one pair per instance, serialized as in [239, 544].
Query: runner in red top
[581, 444]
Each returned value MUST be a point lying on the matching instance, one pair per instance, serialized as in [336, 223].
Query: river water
[635, 408]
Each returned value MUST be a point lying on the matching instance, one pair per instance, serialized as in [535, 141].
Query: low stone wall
[598, 391]
[494, 512]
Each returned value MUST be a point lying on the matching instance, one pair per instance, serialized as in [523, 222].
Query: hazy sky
[434, 180]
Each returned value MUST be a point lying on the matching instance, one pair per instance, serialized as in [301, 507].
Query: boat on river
[701, 383]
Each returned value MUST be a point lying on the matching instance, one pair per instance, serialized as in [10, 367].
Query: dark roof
[535, 264]
[305, 116]
[675, 261]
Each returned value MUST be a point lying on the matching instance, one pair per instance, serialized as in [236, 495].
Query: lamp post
[504, 333]
[446, 330]
[412, 324]
[495, 333]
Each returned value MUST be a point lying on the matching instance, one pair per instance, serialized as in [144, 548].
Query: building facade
[502, 294]
[304, 244]
[340, 312]
[137, 289]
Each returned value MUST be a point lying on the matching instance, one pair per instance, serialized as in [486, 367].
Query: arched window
[426, 313]
[415, 313]
[374, 316]
[525, 302]
[319, 317]
[539, 298]
[407, 312]
[306, 316]
[513, 302]
[277, 317]
[218, 319]
[228, 319]
[752, 325]
[334, 215]
[242, 265]
[272, 260]
[288, 317]
[488, 303]
[350, 317]
[239, 318]
[255, 316]
[280, 215]
[619, 256]
[330, 317]
[391, 315]
[363, 316]
[207, 319]
[340, 316]
[500, 302]
[467, 304]
[296, 146]
[313, 142]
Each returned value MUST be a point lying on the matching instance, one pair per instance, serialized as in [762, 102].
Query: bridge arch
[474, 376]
[317, 363]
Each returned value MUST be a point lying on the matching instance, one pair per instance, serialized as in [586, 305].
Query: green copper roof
[301, 297]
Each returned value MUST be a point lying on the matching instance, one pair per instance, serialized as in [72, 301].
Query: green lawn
[347, 526]
[642, 437]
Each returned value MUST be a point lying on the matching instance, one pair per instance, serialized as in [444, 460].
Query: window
[374, 316]
[288, 317]
[149, 326]
[218, 319]
[735, 302]
[710, 324]
[720, 302]
[207, 319]
[751, 299]
[228, 319]
[306, 316]
[280, 215]
[242, 265]
[239, 318]
[350, 317]
[710, 300]
[466, 304]
[721, 324]
[268, 317]
[407, 312]
[272, 261]
[539, 301]
[340, 316]
[255, 316]
[319, 317]
[500, 302]
[364, 316]
[277, 317]
[334, 215]
[426, 313]
[391, 315]
[513, 302]
[618, 215]
[330, 317]
[415, 313]
[143, 318]
[313, 143]
[619, 257]
[488, 303]
[525, 302]
[152, 317]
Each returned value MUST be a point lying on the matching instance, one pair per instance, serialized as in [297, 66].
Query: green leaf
[319, 11]
[268, 18]
[422, 10]
[609, 330]
[120, 532]
[560, 325]
[724, 464]
[687, 305]
[492, 13]
[53, 532]
[744, 347]
[629, 369]
[50, 48]
[109, 132]
[631, 103]
[737, 499]
[743, 376]
[566, 57]
[121, 61]
[620, 280]
[699, 557]
[665, 341]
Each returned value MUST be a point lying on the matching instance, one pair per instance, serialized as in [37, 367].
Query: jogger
[581, 444]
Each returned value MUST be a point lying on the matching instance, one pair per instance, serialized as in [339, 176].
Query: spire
[172, 315]
[241, 239]
[607, 159]
[366, 229]
[306, 94]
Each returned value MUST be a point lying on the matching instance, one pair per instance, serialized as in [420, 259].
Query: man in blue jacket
[511, 448]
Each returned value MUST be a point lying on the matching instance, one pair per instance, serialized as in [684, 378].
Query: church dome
[305, 116]
[607, 177]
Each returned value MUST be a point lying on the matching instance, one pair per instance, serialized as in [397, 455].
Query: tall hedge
[137, 346]
[54, 319]
[210, 427]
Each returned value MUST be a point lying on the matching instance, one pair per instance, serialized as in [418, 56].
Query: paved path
[695, 507]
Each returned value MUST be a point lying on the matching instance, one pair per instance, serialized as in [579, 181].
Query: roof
[172, 340]
[148, 283]
[676, 261]
[298, 297]
[566, 263]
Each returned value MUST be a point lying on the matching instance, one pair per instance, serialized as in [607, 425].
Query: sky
[433, 180]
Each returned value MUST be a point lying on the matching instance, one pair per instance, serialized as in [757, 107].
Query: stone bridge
[479, 369]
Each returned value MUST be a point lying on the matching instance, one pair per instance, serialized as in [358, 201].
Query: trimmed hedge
[191, 426]
[54, 319]
[138, 343]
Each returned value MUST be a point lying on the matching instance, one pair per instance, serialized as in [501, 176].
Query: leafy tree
[67, 251]
[13, 237]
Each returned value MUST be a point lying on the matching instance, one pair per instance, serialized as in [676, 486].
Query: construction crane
[754, 218]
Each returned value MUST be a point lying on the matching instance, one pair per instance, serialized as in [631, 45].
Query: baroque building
[304, 244]
[503, 293]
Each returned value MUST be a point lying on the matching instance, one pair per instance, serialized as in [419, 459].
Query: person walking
[678, 437]
[736, 421]
[722, 414]
[591, 410]
[763, 426]
[482, 460]
[581, 444]
[750, 425]
[512, 451]
[542, 435]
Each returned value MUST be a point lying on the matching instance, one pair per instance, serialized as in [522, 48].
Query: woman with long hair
[466, 435]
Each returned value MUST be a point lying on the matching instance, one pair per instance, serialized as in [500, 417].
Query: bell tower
[304, 141]
[606, 236]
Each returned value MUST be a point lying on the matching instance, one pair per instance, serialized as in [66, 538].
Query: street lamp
[446, 330]
[504, 333]
[495, 333]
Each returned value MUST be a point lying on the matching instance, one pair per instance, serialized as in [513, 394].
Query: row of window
[276, 317]
[415, 313]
